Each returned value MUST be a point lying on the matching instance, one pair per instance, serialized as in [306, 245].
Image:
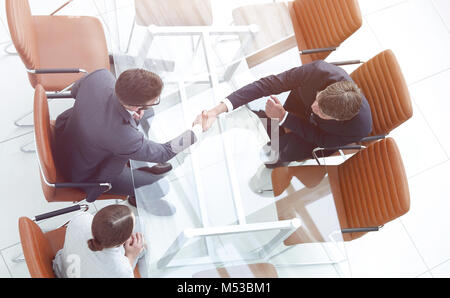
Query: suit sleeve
[76, 87]
[142, 149]
[314, 135]
[274, 84]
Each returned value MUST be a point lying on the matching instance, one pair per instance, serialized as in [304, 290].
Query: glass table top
[226, 211]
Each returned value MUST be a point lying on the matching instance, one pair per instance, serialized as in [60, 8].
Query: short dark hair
[138, 86]
[341, 100]
[111, 226]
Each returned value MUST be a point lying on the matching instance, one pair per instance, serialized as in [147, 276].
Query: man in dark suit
[325, 108]
[98, 136]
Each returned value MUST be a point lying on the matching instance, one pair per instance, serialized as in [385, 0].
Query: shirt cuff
[229, 105]
[197, 130]
[284, 118]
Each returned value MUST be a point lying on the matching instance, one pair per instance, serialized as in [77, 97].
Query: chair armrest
[60, 212]
[56, 70]
[347, 62]
[348, 147]
[318, 50]
[373, 138]
[57, 95]
[361, 230]
[83, 185]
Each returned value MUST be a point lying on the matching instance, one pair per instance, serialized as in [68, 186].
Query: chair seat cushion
[68, 42]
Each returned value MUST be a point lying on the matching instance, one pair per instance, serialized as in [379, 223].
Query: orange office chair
[40, 248]
[320, 26]
[369, 190]
[55, 188]
[56, 50]
[261, 270]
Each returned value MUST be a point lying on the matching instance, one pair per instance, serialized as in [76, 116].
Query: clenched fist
[274, 109]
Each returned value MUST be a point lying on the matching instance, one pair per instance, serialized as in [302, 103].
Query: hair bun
[94, 245]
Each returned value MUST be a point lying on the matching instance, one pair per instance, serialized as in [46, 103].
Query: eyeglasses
[146, 107]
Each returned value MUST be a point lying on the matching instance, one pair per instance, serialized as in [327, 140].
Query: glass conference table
[226, 212]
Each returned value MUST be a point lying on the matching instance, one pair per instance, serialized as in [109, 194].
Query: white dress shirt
[230, 108]
[75, 259]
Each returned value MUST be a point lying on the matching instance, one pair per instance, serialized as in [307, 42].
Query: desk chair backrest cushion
[54, 42]
[382, 83]
[44, 137]
[371, 188]
[323, 24]
[173, 12]
[40, 248]
[23, 34]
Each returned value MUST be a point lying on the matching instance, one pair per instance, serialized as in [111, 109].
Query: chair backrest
[39, 249]
[23, 35]
[44, 135]
[371, 188]
[261, 270]
[44, 138]
[173, 12]
[382, 83]
[323, 24]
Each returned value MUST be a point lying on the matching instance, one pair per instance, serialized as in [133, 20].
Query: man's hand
[206, 119]
[274, 108]
[138, 115]
[198, 120]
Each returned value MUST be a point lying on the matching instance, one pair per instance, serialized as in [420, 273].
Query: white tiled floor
[416, 245]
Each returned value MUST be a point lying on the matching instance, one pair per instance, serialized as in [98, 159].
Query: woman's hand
[133, 247]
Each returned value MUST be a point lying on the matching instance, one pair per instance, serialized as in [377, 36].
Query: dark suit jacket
[304, 82]
[96, 138]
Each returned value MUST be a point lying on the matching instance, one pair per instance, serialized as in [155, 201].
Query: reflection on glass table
[226, 213]
[226, 210]
[195, 41]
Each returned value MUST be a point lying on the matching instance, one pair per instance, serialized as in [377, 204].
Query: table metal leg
[286, 227]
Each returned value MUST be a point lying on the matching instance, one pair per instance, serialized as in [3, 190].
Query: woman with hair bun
[103, 245]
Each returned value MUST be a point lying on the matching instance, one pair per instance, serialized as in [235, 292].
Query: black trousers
[126, 182]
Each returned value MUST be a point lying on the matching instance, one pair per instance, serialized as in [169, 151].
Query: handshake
[206, 119]
[274, 110]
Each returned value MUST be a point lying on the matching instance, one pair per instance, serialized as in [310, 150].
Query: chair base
[19, 259]
[18, 124]
[29, 147]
